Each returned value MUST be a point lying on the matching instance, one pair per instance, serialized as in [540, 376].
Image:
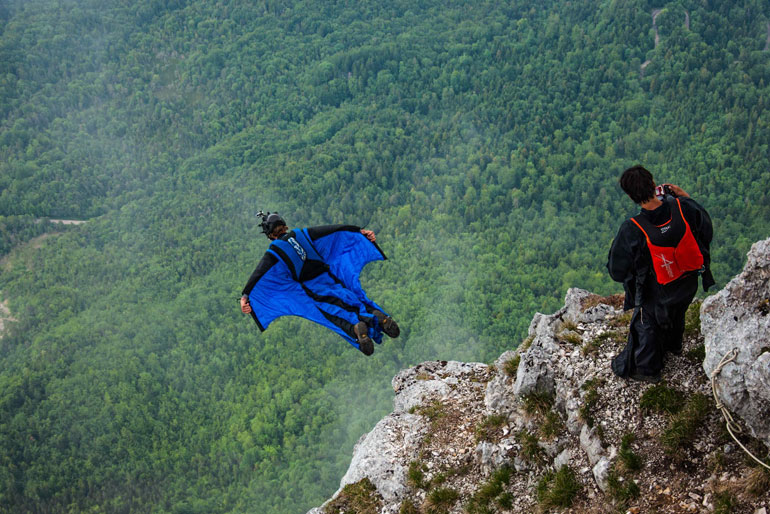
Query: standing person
[658, 255]
[314, 273]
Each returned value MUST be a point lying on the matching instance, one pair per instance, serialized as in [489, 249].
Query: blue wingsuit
[314, 273]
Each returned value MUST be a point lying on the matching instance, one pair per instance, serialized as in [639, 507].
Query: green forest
[481, 140]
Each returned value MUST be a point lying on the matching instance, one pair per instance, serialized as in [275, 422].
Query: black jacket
[629, 258]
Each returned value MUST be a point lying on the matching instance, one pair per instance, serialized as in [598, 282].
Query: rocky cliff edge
[548, 427]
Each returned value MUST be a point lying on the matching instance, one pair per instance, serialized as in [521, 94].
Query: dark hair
[637, 183]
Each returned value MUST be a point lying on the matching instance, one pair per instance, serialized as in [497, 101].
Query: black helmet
[270, 222]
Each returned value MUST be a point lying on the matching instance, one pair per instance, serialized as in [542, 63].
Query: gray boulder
[738, 318]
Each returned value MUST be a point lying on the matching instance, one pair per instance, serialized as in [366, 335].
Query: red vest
[673, 248]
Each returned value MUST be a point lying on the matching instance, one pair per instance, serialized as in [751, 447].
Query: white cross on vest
[667, 265]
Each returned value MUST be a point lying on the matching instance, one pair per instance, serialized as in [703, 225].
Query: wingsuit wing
[275, 293]
[346, 250]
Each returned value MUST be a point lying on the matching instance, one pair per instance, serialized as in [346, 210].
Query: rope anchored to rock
[729, 421]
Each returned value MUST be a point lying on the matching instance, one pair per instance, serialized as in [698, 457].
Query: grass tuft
[530, 450]
[724, 502]
[628, 460]
[662, 399]
[590, 399]
[511, 366]
[440, 501]
[434, 412]
[623, 320]
[489, 426]
[682, 427]
[622, 490]
[592, 347]
[416, 475]
[537, 403]
[557, 489]
[407, 507]
[757, 482]
[552, 425]
[570, 337]
[491, 492]
[526, 343]
[361, 497]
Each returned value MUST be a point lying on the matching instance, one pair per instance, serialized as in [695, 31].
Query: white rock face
[384, 453]
[738, 317]
[499, 397]
[383, 456]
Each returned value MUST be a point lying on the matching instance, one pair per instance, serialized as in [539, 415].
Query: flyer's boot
[389, 325]
[365, 343]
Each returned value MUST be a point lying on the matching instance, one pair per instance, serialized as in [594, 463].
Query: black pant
[656, 328]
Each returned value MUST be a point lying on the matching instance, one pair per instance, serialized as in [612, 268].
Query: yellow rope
[729, 421]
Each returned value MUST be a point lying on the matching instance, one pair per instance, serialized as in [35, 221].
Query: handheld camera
[661, 191]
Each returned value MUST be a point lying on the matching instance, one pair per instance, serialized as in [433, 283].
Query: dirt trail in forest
[655, 13]
[68, 222]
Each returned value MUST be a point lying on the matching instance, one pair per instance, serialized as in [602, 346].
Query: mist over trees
[481, 141]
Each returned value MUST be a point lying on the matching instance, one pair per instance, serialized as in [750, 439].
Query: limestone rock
[499, 397]
[383, 455]
[738, 317]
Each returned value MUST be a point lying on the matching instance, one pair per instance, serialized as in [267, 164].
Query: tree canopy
[481, 141]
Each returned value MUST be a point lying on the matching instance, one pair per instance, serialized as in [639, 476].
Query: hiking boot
[389, 325]
[365, 343]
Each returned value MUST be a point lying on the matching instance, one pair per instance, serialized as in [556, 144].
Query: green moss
[692, 320]
[697, 354]
[361, 498]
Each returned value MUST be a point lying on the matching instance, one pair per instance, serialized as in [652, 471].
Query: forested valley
[481, 141]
